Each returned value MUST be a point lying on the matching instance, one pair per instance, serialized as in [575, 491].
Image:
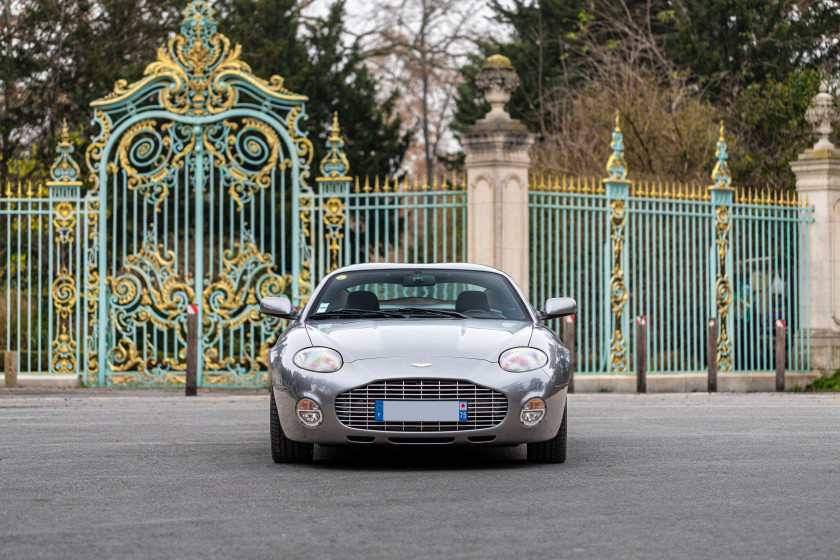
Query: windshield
[412, 292]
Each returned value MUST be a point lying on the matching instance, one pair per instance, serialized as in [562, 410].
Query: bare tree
[669, 130]
[417, 46]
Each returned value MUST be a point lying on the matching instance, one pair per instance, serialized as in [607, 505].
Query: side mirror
[277, 307]
[559, 307]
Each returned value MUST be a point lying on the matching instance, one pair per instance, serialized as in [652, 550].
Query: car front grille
[486, 408]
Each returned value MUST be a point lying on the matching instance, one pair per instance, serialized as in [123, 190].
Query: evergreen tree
[57, 57]
[314, 61]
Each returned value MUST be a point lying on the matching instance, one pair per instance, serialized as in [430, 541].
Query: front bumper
[290, 385]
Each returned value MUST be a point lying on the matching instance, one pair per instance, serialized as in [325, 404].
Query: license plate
[421, 411]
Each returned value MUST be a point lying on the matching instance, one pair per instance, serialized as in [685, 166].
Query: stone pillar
[497, 178]
[818, 178]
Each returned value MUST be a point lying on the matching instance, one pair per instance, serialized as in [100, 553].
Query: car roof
[438, 266]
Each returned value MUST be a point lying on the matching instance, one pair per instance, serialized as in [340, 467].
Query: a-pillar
[497, 178]
[818, 178]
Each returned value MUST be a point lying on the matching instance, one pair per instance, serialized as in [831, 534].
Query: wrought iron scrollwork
[618, 289]
[149, 291]
[231, 301]
[334, 222]
[723, 289]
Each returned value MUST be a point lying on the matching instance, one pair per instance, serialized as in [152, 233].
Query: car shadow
[419, 457]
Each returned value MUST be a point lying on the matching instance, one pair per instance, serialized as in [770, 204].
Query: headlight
[322, 360]
[522, 359]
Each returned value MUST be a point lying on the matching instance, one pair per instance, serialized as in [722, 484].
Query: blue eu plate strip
[378, 410]
[462, 411]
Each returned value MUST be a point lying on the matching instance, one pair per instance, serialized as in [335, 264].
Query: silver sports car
[396, 354]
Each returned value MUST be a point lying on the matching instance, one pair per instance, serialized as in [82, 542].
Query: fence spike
[387, 187]
[357, 184]
[366, 188]
[434, 183]
[20, 189]
[556, 187]
[29, 189]
[376, 184]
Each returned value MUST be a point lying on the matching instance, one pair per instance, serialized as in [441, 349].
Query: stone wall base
[690, 382]
[825, 350]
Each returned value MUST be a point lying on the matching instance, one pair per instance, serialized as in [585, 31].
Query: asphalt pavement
[156, 475]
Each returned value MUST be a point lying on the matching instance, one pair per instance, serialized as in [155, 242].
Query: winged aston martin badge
[421, 365]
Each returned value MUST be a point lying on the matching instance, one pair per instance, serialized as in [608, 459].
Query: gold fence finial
[721, 177]
[616, 166]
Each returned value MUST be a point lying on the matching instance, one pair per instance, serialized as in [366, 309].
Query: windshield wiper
[344, 313]
[426, 311]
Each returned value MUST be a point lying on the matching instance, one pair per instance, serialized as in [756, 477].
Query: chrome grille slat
[486, 407]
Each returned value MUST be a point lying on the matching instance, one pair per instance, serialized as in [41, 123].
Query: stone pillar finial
[498, 79]
[822, 114]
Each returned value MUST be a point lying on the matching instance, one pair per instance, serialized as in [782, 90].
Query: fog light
[532, 413]
[309, 413]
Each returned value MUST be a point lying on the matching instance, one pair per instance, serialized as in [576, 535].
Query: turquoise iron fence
[677, 254]
[390, 223]
[199, 194]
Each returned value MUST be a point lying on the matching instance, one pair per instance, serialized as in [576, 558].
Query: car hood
[481, 339]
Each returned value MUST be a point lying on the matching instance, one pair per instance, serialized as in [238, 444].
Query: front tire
[553, 450]
[284, 450]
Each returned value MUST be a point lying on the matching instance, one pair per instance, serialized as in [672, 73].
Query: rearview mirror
[277, 307]
[417, 280]
[559, 307]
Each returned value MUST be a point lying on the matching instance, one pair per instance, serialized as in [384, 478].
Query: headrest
[472, 299]
[363, 299]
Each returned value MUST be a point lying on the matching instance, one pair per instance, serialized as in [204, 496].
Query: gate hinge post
[332, 199]
[722, 197]
[617, 191]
